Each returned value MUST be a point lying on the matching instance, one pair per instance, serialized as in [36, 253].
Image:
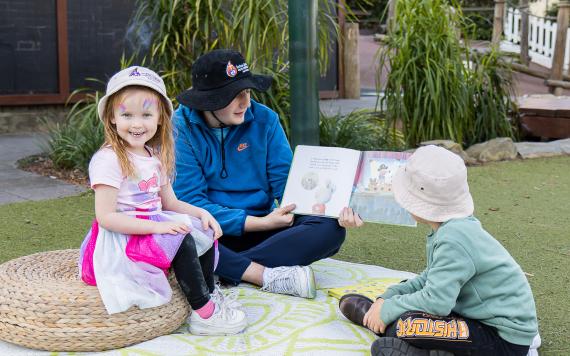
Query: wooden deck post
[556, 72]
[498, 22]
[351, 61]
[525, 58]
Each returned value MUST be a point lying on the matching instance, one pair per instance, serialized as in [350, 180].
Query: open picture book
[323, 180]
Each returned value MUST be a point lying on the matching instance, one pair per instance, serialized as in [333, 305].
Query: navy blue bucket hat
[217, 78]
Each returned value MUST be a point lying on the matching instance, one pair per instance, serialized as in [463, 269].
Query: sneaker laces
[224, 312]
[280, 280]
[229, 299]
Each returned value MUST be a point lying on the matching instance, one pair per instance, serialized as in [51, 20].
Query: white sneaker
[296, 280]
[229, 298]
[224, 321]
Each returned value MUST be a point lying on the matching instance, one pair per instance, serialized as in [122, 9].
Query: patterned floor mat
[278, 324]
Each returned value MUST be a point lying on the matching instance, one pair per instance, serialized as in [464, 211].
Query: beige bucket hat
[133, 76]
[433, 185]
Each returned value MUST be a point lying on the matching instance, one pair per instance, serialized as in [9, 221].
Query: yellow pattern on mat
[371, 288]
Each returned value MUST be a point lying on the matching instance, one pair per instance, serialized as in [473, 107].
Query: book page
[320, 180]
[373, 198]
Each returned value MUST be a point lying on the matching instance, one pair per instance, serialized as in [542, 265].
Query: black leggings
[194, 274]
[454, 333]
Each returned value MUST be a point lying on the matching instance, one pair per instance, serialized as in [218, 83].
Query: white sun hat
[133, 76]
[433, 185]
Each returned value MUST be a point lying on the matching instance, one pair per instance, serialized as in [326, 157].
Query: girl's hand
[372, 318]
[208, 221]
[348, 218]
[171, 227]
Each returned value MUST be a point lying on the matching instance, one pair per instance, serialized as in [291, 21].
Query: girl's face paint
[122, 108]
[148, 104]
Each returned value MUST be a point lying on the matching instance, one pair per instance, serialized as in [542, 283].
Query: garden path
[17, 185]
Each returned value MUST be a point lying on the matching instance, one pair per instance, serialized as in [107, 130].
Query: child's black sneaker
[391, 346]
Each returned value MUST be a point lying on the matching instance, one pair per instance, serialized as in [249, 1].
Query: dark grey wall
[28, 47]
[96, 38]
[28, 43]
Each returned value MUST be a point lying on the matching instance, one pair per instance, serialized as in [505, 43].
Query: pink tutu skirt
[131, 270]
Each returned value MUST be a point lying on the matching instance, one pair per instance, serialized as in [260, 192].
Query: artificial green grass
[524, 204]
[45, 225]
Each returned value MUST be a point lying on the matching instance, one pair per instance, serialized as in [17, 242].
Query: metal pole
[303, 72]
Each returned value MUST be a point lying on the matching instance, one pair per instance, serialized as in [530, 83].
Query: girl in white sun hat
[133, 242]
[472, 298]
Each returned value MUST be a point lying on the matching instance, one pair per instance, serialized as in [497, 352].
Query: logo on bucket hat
[231, 70]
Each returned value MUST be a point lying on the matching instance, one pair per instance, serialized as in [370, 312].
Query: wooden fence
[541, 37]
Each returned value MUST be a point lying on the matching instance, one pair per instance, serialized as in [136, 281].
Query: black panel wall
[96, 38]
[28, 47]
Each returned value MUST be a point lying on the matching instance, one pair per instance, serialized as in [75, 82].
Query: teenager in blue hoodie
[232, 159]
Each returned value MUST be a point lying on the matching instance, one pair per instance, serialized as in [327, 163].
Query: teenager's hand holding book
[348, 218]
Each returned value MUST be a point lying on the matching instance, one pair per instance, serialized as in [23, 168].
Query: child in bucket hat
[233, 159]
[133, 242]
[472, 298]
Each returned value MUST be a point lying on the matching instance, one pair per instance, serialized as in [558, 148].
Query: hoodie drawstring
[223, 172]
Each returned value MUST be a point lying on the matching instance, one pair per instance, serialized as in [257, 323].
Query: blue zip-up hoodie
[258, 157]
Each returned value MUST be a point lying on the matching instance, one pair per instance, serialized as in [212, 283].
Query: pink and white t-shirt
[136, 194]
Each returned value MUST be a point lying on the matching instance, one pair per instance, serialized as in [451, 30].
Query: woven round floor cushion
[44, 305]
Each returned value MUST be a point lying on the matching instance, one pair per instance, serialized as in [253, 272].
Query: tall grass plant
[436, 88]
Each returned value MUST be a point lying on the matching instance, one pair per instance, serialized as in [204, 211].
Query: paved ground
[17, 185]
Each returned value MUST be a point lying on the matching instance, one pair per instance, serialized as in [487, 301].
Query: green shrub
[72, 143]
[491, 92]
[425, 87]
[363, 130]
[430, 90]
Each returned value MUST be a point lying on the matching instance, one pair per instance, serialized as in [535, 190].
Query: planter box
[545, 116]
